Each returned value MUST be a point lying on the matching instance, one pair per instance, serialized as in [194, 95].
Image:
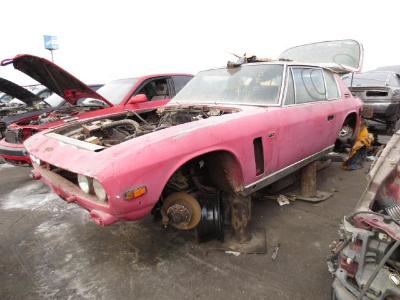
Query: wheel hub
[178, 213]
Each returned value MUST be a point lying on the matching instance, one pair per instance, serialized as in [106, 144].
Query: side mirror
[139, 98]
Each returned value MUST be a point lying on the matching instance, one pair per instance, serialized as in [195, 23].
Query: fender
[236, 169]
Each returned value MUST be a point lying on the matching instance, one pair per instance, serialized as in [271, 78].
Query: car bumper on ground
[101, 213]
[14, 153]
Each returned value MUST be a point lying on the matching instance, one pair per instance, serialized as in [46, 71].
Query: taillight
[26, 133]
[348, 264]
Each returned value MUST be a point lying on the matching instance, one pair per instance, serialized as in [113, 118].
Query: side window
[309, 85]
[332, 91]
[180, 82]
[156, 89]
[290, 89]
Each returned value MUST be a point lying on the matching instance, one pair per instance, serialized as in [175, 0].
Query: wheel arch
[352, 119]
[225, 169]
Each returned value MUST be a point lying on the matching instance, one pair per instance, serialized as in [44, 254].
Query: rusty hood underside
[53, 77]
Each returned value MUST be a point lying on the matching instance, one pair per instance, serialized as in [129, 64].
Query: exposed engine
[14, 110]
[59, 114]
[111, 131]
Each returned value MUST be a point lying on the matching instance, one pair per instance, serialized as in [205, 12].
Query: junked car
[380, 92]
[80, 101]
[17, 102]
[4, 99]
[365, 262]
[230, 130]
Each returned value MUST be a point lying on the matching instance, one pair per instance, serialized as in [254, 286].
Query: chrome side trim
[271, 178]
[75, 142]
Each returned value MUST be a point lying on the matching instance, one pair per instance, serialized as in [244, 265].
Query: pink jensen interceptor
[230, 130]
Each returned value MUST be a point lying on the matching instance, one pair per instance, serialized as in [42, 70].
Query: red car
[143, 92]
[229, 132]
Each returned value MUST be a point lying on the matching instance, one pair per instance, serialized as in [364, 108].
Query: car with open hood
[230, 130]
[365, 261]
[81, 100]
[380, 92]
[18, 102]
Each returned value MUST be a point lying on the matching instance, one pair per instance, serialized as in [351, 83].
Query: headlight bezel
[85, 183]
[99, 190]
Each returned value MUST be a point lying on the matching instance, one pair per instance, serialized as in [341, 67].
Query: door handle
[331, 117]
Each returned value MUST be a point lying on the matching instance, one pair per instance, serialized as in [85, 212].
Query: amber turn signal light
[135, 193]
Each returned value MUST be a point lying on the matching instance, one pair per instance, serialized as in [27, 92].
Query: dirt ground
[51, 249]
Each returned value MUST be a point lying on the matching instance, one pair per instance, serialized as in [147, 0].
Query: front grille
[70, 176]
[13, 136]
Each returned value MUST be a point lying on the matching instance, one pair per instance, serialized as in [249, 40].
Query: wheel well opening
[218, 170]
[346, 136]
[351, 120]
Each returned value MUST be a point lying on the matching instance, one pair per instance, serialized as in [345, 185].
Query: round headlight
[99, 191]
[85, 183]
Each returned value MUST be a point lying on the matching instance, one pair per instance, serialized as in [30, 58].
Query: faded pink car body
[290, 134]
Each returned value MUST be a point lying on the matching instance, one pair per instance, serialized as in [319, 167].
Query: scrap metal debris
[234, 253]
[245, 60]
[275, 251]
[283, 200]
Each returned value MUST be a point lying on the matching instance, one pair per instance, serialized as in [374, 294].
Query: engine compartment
[14, 110]
[56, 115]
[111, 131]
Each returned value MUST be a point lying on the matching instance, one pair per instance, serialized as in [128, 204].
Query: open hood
[54, 78]
[340, 56]
[17, 91]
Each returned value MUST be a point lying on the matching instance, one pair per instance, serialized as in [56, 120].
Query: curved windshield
[248, 84]
[5, 98]
[367, 79]
[115, 91]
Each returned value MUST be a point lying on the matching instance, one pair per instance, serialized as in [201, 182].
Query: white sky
[105, 40]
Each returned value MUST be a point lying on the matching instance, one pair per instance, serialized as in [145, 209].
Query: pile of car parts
[365, 262]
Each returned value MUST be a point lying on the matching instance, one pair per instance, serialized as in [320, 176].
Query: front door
[306, 116]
